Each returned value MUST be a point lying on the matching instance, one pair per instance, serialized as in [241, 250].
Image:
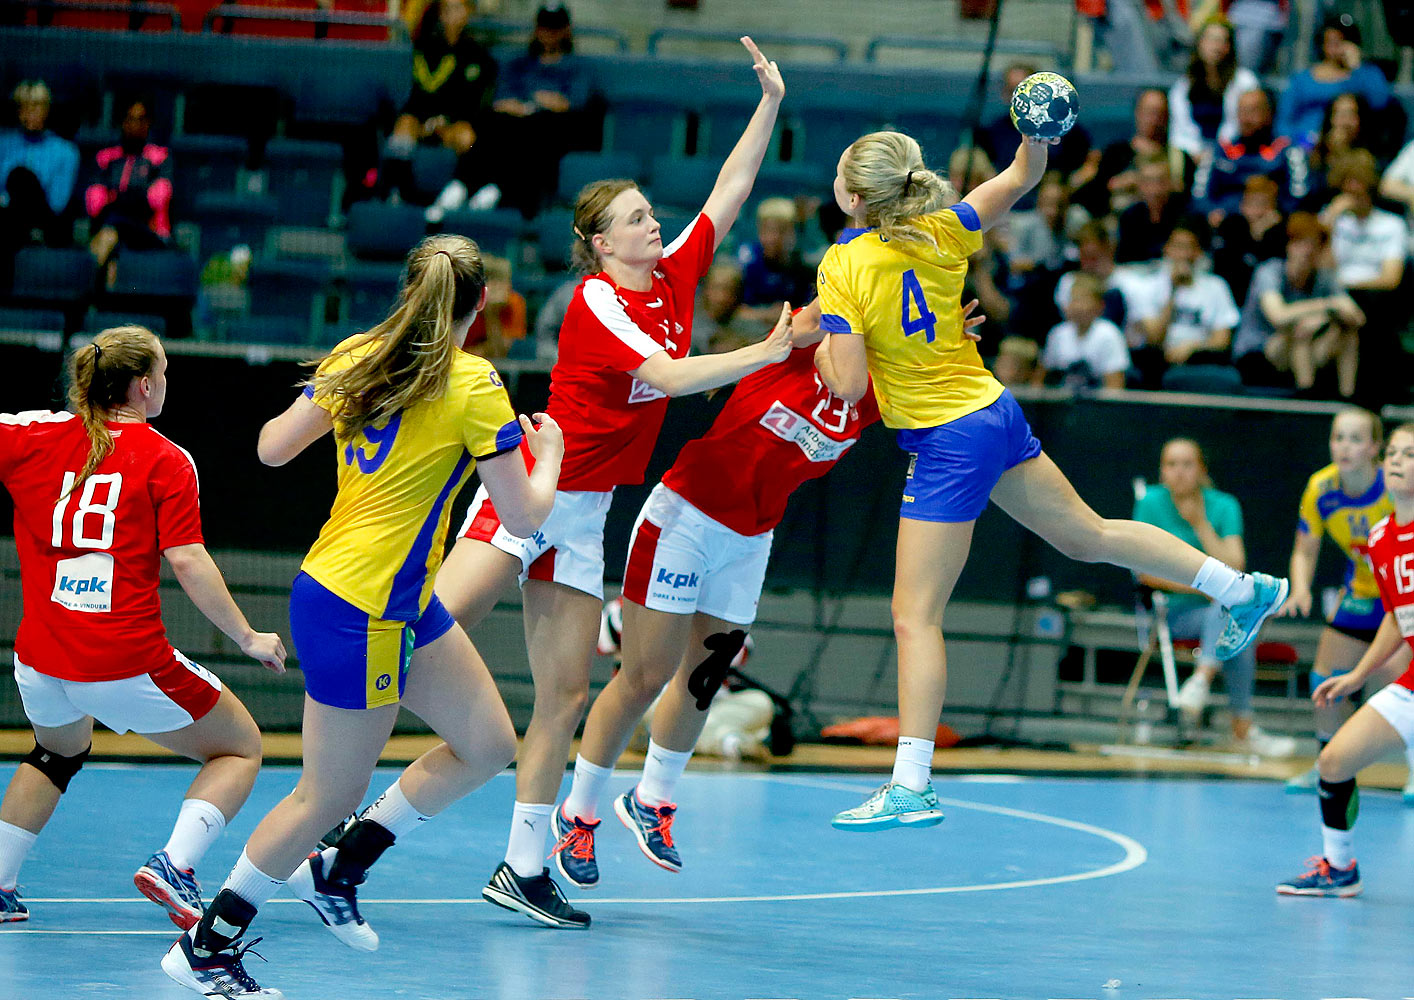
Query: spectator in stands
[1342, 70]
[1015, 361]
[453, 78]
[1095, 249]
[968, 167]
[1249, 236]
[1258, 29]
[1203, 103]
[550, 318]
[1296, 319]
[1342, 129]
[540, 110]
[38, 170]
[1116, 183]
[1222, 175]
[1186, 315]
[1040, 239]
[772, 268]
[1137, 34]
[129, 200]
[718, 324]
[502, 322]
[1087, 351]
[1185, 504]
[1144, 227]
[1398, 181]
[1370, 247]
[1073, 157]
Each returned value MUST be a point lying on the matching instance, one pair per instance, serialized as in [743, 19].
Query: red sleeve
[1381, 555]
[11, 440]
[604, 333]
[175, 500]
[687, 258]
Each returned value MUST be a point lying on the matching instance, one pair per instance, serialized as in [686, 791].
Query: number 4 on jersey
[926, 321]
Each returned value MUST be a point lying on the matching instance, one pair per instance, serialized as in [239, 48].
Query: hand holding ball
[1044, 106]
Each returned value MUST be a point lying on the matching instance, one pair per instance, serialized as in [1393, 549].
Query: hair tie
[577, 232]
[908, 180]
[97, 353]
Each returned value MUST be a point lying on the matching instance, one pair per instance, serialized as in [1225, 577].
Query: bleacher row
[276, 184]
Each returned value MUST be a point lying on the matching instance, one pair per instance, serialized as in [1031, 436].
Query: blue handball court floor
[1052, 889]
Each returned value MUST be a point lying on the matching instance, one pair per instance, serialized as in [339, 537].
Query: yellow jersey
[904, 297]
[384, 540]
[1326, 510]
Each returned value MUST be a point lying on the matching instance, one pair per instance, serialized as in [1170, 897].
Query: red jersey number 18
[88, 510]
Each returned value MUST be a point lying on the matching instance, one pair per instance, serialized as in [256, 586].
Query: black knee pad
[56, 767]
[708, 676]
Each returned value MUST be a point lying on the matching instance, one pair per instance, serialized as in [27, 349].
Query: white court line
[1134, 856]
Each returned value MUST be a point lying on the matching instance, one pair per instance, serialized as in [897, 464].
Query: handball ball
[1044, 106]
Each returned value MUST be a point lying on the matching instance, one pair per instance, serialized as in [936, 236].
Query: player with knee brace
[100, 497]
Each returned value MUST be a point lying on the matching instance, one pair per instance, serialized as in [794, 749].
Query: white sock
[661, 770]
[1223, 583]
[1339, 846]
[913, 764]
[250, 883]
[530, 826]
[394, 813]
[587, 788]
[15, 842]
[198, 825]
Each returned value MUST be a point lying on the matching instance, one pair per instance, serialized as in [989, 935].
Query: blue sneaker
[889, 806]
[11, 909]
[172, 888]
[652, 827]
[1324, 879]
[1244, 620]
[574, 849]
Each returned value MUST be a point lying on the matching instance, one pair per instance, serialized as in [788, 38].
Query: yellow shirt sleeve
[1311, 522]
[839, 312]
[489, 424]
[956, 230]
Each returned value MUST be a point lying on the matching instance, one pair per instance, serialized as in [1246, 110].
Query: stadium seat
[1222, 380]
[165, 274]
[938, 133]
[371, 291]
[496, 231]
[681, 182]
[204, 164]
[792, 180]
[553, 231]
[432, 170]
[646, 128]
[721, 123]
[303, 176]
[228, 220]
[98, 320]
[47, 275]
[378, 230]
[826, 127]
[14, 319]
[267, 330]
[294, 289]
[579, 169]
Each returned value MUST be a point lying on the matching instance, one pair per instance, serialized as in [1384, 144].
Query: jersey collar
[852, 232]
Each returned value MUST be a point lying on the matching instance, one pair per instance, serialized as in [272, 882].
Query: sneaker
[1193, 695]
[486, 198]
[892, 805]
[172, 888]
[574, 849]
[1304, 783]
[337, 906]
[652, 827]
[1244, 620]
[1324, 879]
[11, 909]
[538, 897]
[453, 197]
[1265, 744]
[222, 975]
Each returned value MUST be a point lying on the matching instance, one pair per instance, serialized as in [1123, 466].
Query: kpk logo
[677, 580]
[85, 584]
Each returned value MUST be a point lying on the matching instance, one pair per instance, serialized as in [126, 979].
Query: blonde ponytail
[886, 170]
[407, 358]
[99, 376]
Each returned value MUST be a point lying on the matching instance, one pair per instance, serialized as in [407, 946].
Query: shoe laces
[578, 840]
[232, 961]
[664, 827]
[1319, 866]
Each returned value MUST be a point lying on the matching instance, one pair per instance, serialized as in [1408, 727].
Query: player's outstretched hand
[767, 72]
[970, 322]
[778, 345]
[1299, 603]
[1332, 689]
[543, 436]
[267, 648]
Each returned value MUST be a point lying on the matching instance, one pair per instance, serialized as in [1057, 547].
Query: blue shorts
[1358, 617]
[952, 468]
[351, 659]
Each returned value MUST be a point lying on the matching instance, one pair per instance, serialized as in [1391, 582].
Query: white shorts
[1395, 703]
[172, 697]
[569, 547]
[681, 561]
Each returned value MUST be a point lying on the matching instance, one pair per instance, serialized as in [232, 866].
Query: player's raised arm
[993, 199]
[738, 173]
[284, 437]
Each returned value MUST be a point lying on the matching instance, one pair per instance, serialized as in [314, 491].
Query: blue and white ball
[1044, 106]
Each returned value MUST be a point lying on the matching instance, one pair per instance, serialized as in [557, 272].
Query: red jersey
[89, 561]
[611, 419]
[1391, 552]
[781, 427]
